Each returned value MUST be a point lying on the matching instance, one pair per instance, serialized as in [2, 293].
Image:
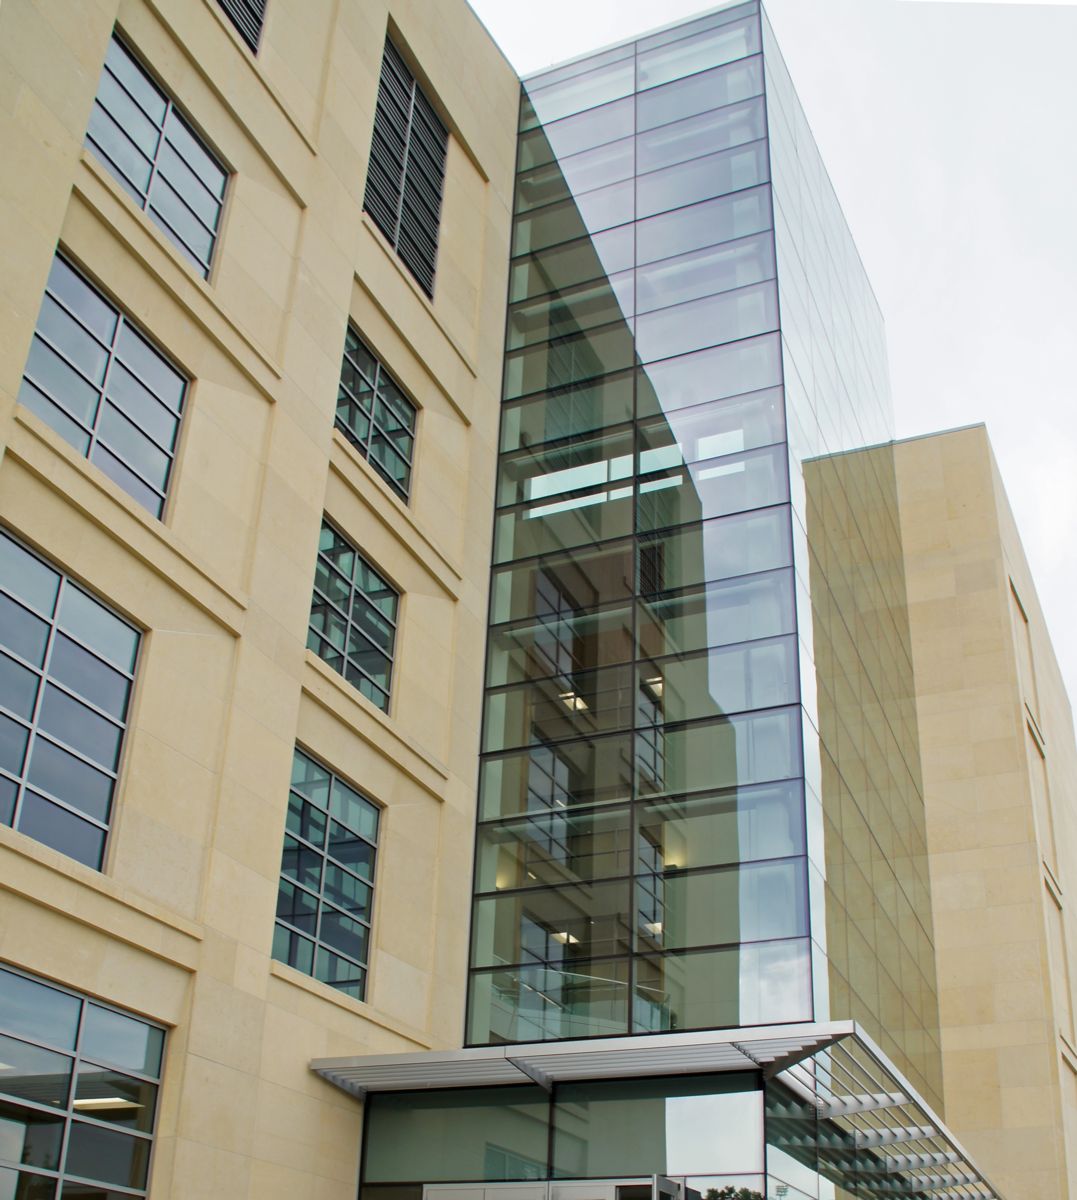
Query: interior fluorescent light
[573, 702]
[104, 1102]
[657, 685]
[566, 938]
[654, 927]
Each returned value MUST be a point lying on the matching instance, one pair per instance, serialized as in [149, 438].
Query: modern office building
[479, 755]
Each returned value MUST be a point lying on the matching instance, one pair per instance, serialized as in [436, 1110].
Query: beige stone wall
[179, 924]
[999, 766]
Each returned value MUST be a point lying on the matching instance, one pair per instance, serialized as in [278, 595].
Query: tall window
[104, 387]
[327, 874]
[407, 169]
[353, 617]
[247, 16]
[66, 669]
[139, 135]
[78, 1094]
[375, 415]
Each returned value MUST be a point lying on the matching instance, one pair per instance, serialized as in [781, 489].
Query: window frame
[354, 590]
[318, 945]
[173, 110]
[45, 679]
[364, 446]
[113, 355]
[239, 14]
[69, 1114]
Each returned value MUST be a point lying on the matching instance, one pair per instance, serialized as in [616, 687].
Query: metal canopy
[880, 1128]
[547, 1063]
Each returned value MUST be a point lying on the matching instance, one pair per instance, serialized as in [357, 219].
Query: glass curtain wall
[863, 787]
[641, 857]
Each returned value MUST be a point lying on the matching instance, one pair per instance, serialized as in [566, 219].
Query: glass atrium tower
[700, 844]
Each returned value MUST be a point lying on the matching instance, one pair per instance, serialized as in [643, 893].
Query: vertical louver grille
[407, 169]
[247, 16]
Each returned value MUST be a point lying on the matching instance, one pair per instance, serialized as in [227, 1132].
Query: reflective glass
[704, 272]
[749, 903]
[735, 610]
[559, 642]
[568, 411]
[711, 430]
[586, 578]
[727, 317]
[611, 1128]
[539, 1003]
[584, 307]
[123, 1041]
[107, 1155]
[738, 825]
[737, 750]
[705, 133]
[578, 173]
[709, 48]
[757, 984]
[699, 93]
[553, 848]
[446, 1135]
[570, 219]
[570, 135]
[714, 374]
[579, 92]
[594, 771]
[701, 178]
[32, 1073]
[29, 1137]
[119, 1099]
[572, 359]
[53, 826]
[536, 476]
[599, 257]
[706, 224]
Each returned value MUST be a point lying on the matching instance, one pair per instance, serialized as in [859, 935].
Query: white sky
[949, 128]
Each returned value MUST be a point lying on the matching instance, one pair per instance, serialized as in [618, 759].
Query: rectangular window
[140, 136]
[326, 894]
[353, 617]
[104, 387]
[78, 1093]
[66, 669]
[247, 16]
[375, 415]
[407, 169]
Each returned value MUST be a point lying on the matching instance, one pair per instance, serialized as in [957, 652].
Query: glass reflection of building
[699, 812]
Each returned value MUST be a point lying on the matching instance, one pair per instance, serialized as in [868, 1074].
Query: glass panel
[552, 925]
[72, 341]
[727, 317]
[119, 1099]
[570, 135]
[705, 133]
[706, 224]
[35, 1010]
[346, 891]
[568, 412]
[445, 1135]
[56, 827]
[301, 864]
[133, 448]
[99, 629]
[711, 48]
[761, 984]
[553, 848]
[559, 642]
[354, 810]
[119, 153]
[18, 1185]
[29, 1137]
[561, 707]
[586, 578]
[538, 1003]
[297, 907]
[751, 903]
[571, 360]
[720, 549]
[701, 178]
[597, 515]
[713, 489]
[575, 174]
[8, 793]
[597, 771]
[691, 435]
[344, 934]
[13, 738]
[583, 307]
[139, 404]
[180, 223]
[755, 606]
[704, 272]
[311, 779]
[87, 675]
[622, 1127]
[290, 948]
[586, 463]
[151, 368]
[32, 1073]
[18, 687]
[91, 309]
[70, 779]
[305, 821]
[600, 257]
[580, 92]
[101, 457]
[122, 1041]
[195, 155]
[727, 680]
[78, 727]
[135, 81]
[723, 827]
[340, 973]
[107, 1155]
[755, 748]
[699, 93]
[61, 382]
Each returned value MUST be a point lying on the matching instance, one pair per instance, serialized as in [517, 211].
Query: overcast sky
[949, 128]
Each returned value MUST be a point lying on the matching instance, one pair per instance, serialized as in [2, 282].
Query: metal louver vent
[247, 16]
[407, 169]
